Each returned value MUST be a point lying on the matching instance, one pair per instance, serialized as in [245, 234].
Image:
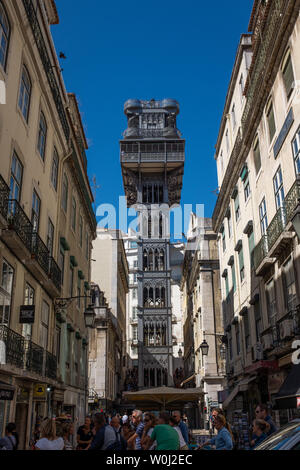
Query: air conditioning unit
[286, 329]
[267, 341]
[257, 352]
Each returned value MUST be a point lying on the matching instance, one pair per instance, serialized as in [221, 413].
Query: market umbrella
[164, 395]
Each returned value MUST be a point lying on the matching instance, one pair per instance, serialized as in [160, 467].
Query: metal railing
[34, 357]
[54, 273]
[40, 251]
[14, 346]
[4, 196]
[50, 366]
[277, 225]
[18, 221]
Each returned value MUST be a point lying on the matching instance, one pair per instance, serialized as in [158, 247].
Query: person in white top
[182, 443]
[48, 440]
[124, 418]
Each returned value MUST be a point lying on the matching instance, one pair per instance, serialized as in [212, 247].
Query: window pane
[288, 77]
[271, 122]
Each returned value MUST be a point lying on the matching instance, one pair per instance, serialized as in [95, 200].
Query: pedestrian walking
[182, 426]
[260, 432]
[9, 442]
[137, 419]
[165, 436]
[149, 425]
[223, 440]
[115, 424]
[105, 436]
[174, 424]
[49, 440]
[67, 431]
[262, 412]
[84, 434]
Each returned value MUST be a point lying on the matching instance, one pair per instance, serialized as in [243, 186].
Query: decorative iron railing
[292, 199]
[14, 346]
[34, 357]
[18, 221]
[54, 273]
[48, 66]
[40, 252]
[4, 195]
[276, 227]
[50, 366]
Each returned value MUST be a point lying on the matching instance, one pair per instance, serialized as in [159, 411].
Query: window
[134, 293]
[241, 263]
[271, 121]
[230, 348]
[226, 285]
[56, 346]
[241, 85]
[50, 236]
[251, 248]
[233, 117]
[71, 281]
[61, 263]
[73, 214]
[134, 313]
[233, 277]
[288, 76]
[278, 188]
[247, 330]
[289, 285]
[25, 92]
[237, 208]
[78, 291]
[263, 217]
[4, 36]
[223, 239]
[237, 340]
[6, 292]
[134, 333]
[271, 302]
[42, 136]
[256, 155]
[28, 300]
[133, 245]
[221, 163]
[296, 151]
[229, 221]
[16, 174]
[64, 197]
[35, 211]
[258, 322]
[247, 190]
[80, 230]
[44, 325]
[87, 245]
[227, 141]
[54, 169]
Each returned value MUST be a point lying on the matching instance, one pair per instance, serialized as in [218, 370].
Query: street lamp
[89, 316]
[204, 348]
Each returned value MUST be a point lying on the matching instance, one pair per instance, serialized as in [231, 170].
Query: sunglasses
[146, 420]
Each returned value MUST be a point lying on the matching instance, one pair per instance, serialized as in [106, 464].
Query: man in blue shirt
[105, 436]
[261, 412]
[137, 419]
[182, 426]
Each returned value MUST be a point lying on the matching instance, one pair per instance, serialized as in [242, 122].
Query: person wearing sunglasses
[150, 423]
[262, 412]
[137, 421]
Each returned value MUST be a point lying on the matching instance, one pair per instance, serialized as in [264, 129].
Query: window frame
[280, 190]
[13, 177]
[269, 107]
[22, 92]
[288, 59]
[42, 132]
[54, 167]
[263, 217]
[256, 146]
[296, 152]
[7, 35]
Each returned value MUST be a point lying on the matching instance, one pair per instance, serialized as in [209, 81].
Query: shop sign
[27, 313]
[40, 392]
[6, 394]
[298, 402]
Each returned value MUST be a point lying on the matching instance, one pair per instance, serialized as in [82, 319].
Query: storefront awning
[242, 386]
[289, 393]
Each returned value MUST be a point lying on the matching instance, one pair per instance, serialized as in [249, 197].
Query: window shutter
[233, 278]
[257, 160]
[241, 258]
[288, 77]
[236, 202]
[271, 122]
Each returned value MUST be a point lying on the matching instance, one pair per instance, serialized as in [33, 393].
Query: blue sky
[158, 49]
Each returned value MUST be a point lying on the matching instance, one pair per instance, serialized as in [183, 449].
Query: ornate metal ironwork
[54, 273]
[18, 221]
[260, 251]
[4, 195]
[292, 200]
[276, 227]
[40, 251]
[51, 366]
[14, 346]
[48, 66]
[34, 357]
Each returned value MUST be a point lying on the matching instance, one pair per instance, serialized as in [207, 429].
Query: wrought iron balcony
[50, 366]
[20, 223]
[278, 233]
[4, 195]
[14, 346]
[40, 252]
[54, 273]
[34, 357]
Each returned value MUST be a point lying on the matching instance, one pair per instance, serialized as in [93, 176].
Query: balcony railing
[51, 366]
[14, 346]
[34, 357]
[18, 221]
[54, 273]
[40, 252]
[278, 224]
[4, 195]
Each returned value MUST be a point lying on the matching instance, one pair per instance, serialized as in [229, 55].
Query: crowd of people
[139, 431]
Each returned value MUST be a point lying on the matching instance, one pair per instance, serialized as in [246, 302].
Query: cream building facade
[257, 156]
[37, 136]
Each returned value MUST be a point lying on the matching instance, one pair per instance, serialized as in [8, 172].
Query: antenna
[94, 187]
